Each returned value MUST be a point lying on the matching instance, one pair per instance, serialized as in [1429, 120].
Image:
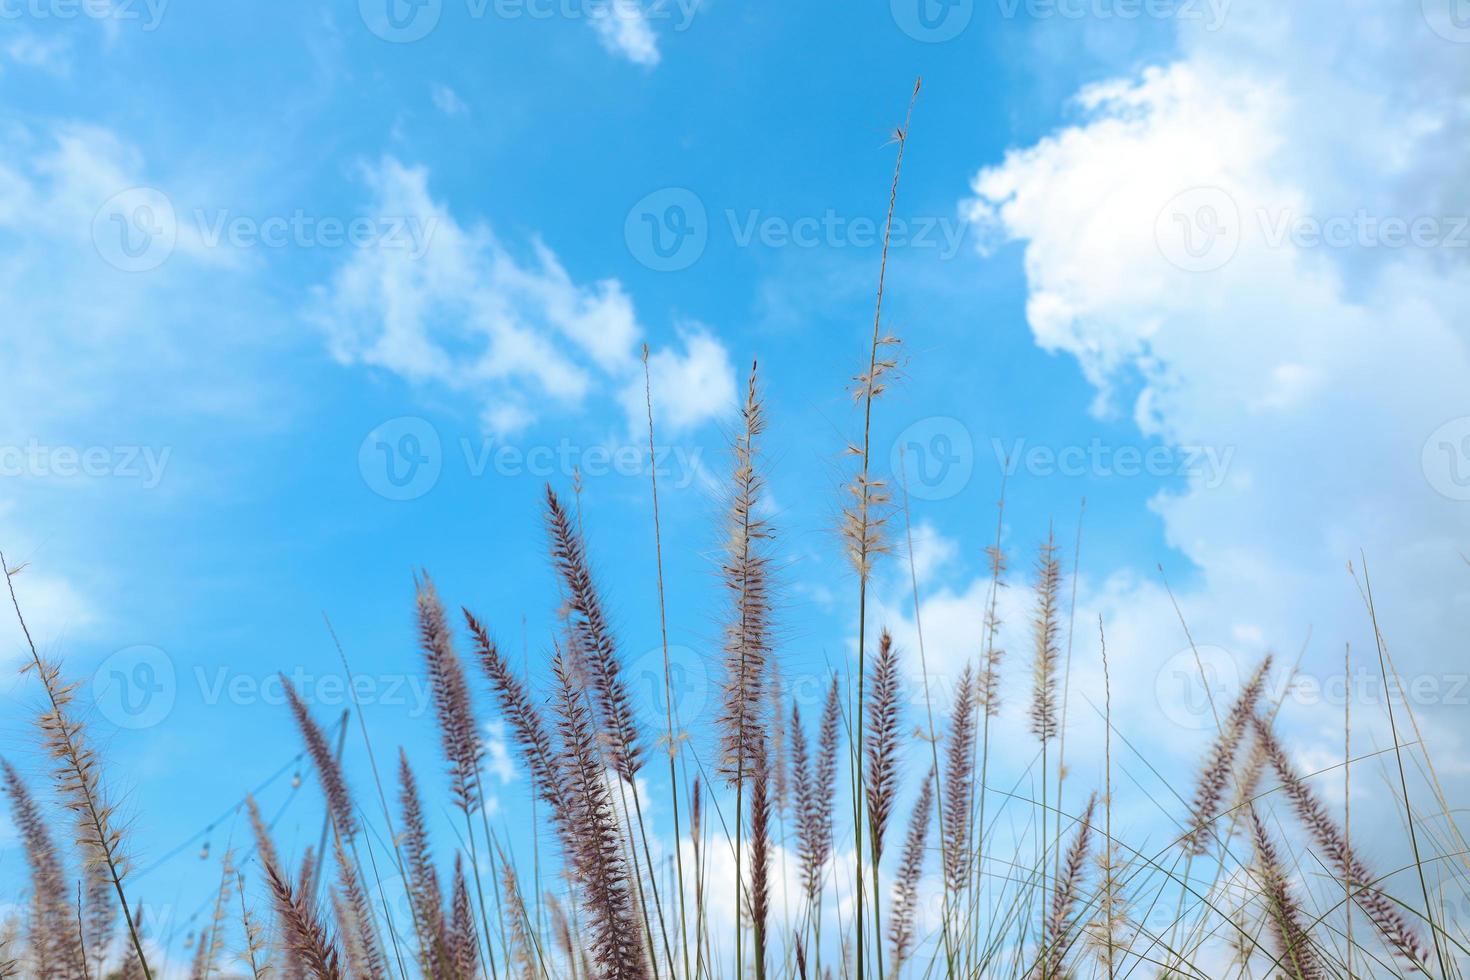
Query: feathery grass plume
[594, 641]
[745, 572]
[910, 868]
[212, 941]
[825, 794]
[959, 777]
[1217, 768]
[520, 940]
[760, 859]
[1061, 923]
[884, 728]
[1249, 771]
[360, 914]
[132, 966]
[989, 694]
[329, 771]
[776, 757]
[306, 935]
[52, 939]
[561, 931]
[595, 840]
[1109, 933]
[527, 726]
[265, 848]
[1380, 909]
[464, 941]
[814, 793]
[1293, 946]
[100, 922]
[256, 954]
[78, 776]
[348, 935]
[803, 804]
[423, 880]
[1111, 928]
[451, 694]
[1044, 632]
[53, 943]
[77, 772]
[9, 936]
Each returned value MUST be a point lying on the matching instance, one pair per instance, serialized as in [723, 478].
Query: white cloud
[521, 336]
[687, 387]
[46, 54]
[448, 102]
[1326, 369]
[623, 29]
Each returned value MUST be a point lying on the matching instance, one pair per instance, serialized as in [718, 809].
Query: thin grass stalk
[78, 772]
[663, 632]
[863, 525]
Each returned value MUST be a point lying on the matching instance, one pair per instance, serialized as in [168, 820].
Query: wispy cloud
[518, 334]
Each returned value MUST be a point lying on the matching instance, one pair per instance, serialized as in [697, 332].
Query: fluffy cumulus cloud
[462, 312]
[1261, 245]
[623, 28]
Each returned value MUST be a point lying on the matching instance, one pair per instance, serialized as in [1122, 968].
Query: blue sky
[1295, 389]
